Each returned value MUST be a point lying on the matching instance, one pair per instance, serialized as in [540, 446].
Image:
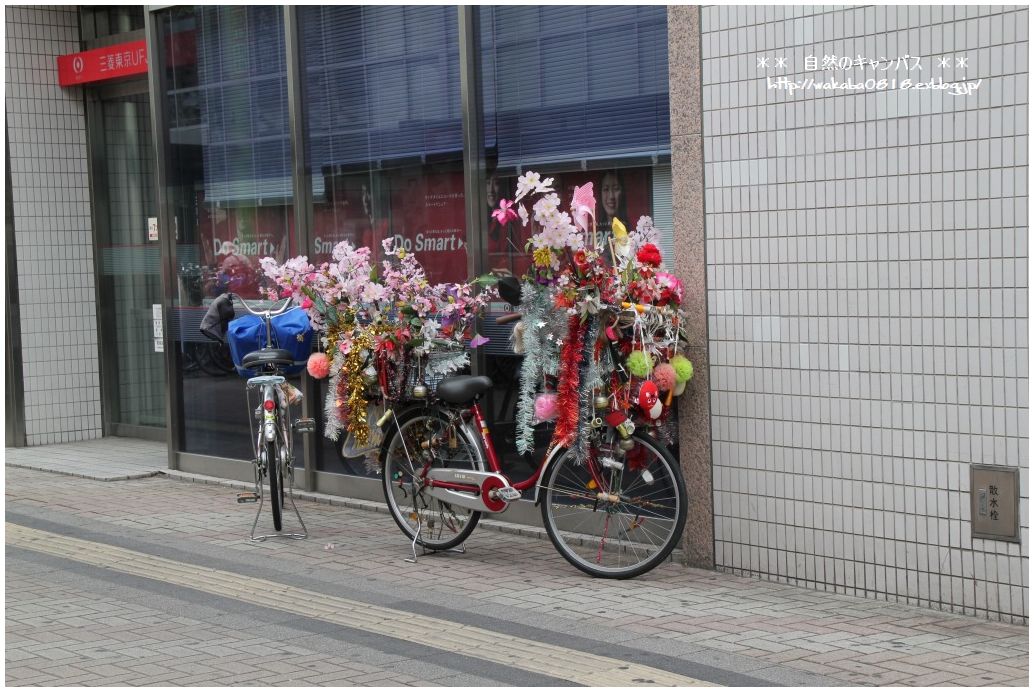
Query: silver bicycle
[274, 443]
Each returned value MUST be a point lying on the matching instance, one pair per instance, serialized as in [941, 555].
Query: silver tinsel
[441, 363]
[534, 304]
[333, 425]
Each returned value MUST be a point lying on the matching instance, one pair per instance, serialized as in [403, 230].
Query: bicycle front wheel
[276, 483]
[426, 437]
[616, 522]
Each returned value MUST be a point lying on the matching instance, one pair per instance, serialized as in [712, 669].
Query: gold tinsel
[357, 423]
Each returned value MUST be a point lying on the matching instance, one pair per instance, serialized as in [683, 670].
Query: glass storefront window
[130, 263]
[228, 177]
[579, 93]
[384, 139]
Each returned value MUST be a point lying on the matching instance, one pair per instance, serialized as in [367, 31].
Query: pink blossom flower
[505, 213]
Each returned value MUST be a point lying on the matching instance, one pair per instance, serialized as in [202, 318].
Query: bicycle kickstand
[295, 536]
[416, 537]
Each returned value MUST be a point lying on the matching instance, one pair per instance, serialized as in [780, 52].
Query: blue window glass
[570, 83]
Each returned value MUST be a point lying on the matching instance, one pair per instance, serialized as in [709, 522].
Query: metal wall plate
[995, 502]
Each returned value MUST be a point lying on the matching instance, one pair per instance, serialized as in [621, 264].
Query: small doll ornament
[649, 400]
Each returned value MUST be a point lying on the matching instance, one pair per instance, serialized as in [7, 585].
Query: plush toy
[649, 400]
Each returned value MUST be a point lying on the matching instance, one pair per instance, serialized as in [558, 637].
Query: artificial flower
[583, 206]
[505, 213]
[649, 254]
[542, 257]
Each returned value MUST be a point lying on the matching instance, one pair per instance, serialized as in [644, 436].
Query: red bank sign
[102, 64]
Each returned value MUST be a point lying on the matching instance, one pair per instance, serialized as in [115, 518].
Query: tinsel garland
[589, 381]
[534, 308]
[355, 387]
[569, 386]
[334, 407]
[392, 369]
[440, 364]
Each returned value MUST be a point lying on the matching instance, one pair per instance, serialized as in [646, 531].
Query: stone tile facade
[867, 298]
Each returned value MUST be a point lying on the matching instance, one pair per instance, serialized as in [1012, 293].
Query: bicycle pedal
[508, 494]
[244, 498]
[304, 425]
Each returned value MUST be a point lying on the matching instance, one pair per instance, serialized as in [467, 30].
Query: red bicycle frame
[493, 463]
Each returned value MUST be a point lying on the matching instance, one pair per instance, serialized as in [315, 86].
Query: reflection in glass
[229, 184]
[384, 139]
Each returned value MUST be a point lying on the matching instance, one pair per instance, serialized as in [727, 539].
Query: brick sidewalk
[762, 628]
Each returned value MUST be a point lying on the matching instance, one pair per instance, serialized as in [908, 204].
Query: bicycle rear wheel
[423, 436]
[276, 483]
[615, 523]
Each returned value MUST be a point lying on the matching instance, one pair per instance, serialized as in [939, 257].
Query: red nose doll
[649, 400]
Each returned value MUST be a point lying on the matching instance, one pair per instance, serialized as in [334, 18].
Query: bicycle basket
[291, 332]
[434, 366]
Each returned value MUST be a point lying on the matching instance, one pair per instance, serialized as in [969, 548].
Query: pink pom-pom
[664, 377]
[545, 407]
[318, 365]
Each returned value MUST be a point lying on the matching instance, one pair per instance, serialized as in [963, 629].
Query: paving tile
[852, 640]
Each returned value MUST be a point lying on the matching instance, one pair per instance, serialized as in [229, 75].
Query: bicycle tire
[394, 462]
[578, 521]
[276, 483]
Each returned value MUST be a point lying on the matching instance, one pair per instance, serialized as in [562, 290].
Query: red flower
[581, 261]
[649, 254]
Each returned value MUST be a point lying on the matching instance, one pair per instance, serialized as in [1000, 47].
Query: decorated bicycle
[600, 333]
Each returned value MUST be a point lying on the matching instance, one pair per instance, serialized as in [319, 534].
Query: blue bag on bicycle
[291, 332]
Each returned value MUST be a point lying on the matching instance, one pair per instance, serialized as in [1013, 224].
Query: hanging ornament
[545, 407]
[664, 376]
[649, 400]
[683, 372]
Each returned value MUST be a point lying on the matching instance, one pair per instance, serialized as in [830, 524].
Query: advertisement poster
[428, 218]
[231, 242]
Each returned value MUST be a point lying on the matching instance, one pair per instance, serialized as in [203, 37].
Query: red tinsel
[569, 385]
[342, 396]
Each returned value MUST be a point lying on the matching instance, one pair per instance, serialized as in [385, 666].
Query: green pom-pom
[639, 363]
[683, 368]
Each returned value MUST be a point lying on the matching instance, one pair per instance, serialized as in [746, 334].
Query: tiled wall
[51, 197]
[867, 292]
